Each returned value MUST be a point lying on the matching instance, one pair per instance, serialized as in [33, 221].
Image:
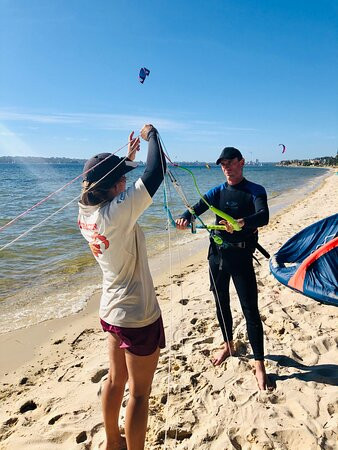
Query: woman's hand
[145, 131]
[133, 146]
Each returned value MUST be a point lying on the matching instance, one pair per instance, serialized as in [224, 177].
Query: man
[233, 257]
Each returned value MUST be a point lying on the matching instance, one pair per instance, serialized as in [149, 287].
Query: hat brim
[122, 169]
[103, 174]
[236, 156]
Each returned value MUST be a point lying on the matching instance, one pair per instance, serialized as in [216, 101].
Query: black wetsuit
[245, 200]
[156, 164]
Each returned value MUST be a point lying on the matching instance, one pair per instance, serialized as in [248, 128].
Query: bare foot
[223, 354]
[261, 376]
[120, 445]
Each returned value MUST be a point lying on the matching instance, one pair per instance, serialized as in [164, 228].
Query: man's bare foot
[261, 376]
[121, 444]
[223, 354]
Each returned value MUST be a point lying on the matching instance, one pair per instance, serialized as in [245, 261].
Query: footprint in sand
[194, 379]
[96, 435]
[202, 326]
[240, 381]
[97, 377]
[241, 348]
[305, 337]
[176, 347]
[332, 408]
[30, 405]
[184, 301]
[272, 398]
[207, 340]
[11, 422]
[8, 428]
[322, 346]
[23, 381]
[82, 437]
[83, 333]
[232, 397]
[176, 433]
[164, 399]
[54, 419]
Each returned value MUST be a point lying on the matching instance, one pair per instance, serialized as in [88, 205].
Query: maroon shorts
[139, 341]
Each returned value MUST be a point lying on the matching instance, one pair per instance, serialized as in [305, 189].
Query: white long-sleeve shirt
[118, 244]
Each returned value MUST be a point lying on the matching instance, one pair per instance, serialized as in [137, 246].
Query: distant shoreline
[61, 160]
[39, 160]
[297, 166]
[8, 160]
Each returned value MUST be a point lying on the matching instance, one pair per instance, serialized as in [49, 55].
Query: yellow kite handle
[226, 217]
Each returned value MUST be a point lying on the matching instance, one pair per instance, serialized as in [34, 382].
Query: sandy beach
[52, 373]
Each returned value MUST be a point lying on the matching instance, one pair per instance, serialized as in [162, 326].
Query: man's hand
[181, 223]
[133, 146]
[241, 222]
[145, 131]
[228, 227]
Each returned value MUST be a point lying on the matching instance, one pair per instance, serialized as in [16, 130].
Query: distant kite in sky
[143, 74]
[284, 148]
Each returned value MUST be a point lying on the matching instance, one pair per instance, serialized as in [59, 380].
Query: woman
[129, 310]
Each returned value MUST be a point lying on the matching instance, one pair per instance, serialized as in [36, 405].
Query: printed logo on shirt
[99, 244]
[121, 198]
[232, 204]
[87, 226]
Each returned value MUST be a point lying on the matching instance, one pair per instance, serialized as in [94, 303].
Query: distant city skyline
[252, 75]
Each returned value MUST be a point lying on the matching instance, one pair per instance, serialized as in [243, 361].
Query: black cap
[229, 153]
[108, 162]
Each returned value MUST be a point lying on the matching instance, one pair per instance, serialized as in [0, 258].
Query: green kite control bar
[217, 211]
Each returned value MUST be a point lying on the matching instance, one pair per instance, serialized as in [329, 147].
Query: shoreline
[40, 333]
[65, 285]
[294, 195]
[52, 400]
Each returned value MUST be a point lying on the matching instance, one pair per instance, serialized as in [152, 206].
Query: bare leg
[261, 376]
[224, 353]
[112, 395]
[140, 371]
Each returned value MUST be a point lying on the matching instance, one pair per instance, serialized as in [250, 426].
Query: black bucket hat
[108, 163]
[229, 153]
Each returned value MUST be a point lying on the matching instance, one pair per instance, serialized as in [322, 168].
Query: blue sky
[223, 73]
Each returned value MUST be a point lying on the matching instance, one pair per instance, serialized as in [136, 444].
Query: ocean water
[50, 271]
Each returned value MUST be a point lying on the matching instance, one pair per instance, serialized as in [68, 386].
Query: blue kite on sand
[143, 74]
[307, 262]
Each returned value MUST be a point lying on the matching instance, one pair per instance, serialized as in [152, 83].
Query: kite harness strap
[218, 248]
[263, 251]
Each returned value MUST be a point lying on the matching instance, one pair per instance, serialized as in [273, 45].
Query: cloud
[180, 131]
[37, 118]
[120, 122]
